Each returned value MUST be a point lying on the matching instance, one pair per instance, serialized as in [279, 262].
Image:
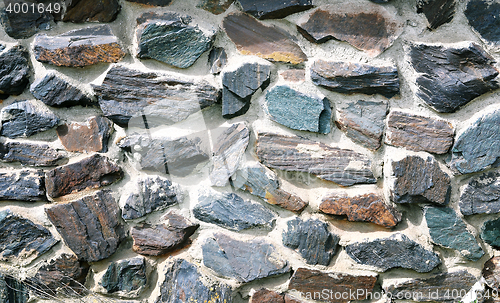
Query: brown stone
[89, 136]
[91, 11]
[491, 273]
[252, 37]
[286, 200]
[294, 75]
[216, 7]
[419, 133]
[267, 296]
[291, 299]
[368, 208]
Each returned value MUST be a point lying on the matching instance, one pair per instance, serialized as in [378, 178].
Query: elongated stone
[14, 74]
[482, 16]
[80, 11]
[217, 59]
[299, 111]
[153, 2]
[294, 75]
[450, 76]
[216, 7]
[89, 136]
[481, 195]
[21, 25]
[274, 9]
[22, 185]
[419, 133]
[342, 166]
[26, 118]
[266, 296]
[491, 273]
[30, 154]
[168, 99]
[79, 48]
[490, 231]
[56, 91]
[356, 78]
[437, 12]
[252, 37]
[125, 278]
[395, 251]
[12, 290]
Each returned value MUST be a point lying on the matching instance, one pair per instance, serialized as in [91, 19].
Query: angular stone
[168, 98]
[148, 195]
[309, 281]
[482, 16]
[20, 25]
[491, 273]
[228, 153]
[243, 261]
[342, 166]
[217, 59]
[90, 136]
[12, 290]
[161, 239]
[79, 48]
[266, 296]
[356, 78]
[216, 7]
[450, 76]
[26, 118]
[90, 226]
[342, 22]
[30, 154]
[448, 230]
[91, 172]
[125, 278]
[419, 180]
[419, 133]
[153, 2]
[80, 11]
[311, 239]
[365, 208]
[14, 74]
[56, 91]
[299, 111]
[21, 240]
[252, 37]
[274, 9]
[22, 185]
[481, 195]
[183, 280]
[437, 12]
[294, 75]
[490, 231]
[362, 121]
[395, 251]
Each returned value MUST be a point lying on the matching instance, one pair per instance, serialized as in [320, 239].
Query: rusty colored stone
[90, 136]
[216, 7]
[266, 296]
[294, 75]
[92, 11]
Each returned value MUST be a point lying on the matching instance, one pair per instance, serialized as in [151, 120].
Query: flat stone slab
[342, 166]
[452, 75]
[30, 154]
[26, 118]
[14, 74]
[80, 11]
[22, 185]
[437, 12]
[79, 48]
[243, 261]
[274, 9]
[55, 91]
[356, 78]
[342, 22]
[482, 17]
[419, 133]
[216, 7]
[90, 136]
[490, 231]
[168, 99]
[125, 278]
[491, 270]
[20, 25]
[396, 251]
[481, 195]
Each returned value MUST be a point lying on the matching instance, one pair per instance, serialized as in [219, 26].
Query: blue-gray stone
[26, 118]
[14, 71]
[299, 111]
[448, 230]
[217, 59]
[437, 12]
[483, 17]
[481, 195]
[22, 185]
[126, 278]
[55, 91]
[274, 9]
[490, 232]
[12, 290]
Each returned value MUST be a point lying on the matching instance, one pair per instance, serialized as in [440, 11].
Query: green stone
[490, 232]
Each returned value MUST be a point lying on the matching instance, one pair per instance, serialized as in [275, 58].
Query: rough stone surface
[299, 111]
[252, 37]
[491, 273]
[26, 118]
[342, 22]
[490, 232]
[450, 76]
[90, 226]
[90, 136]
[311, 239]
[14, 71]
[79, 48]
[168, 98]
[217, 59]
[342, 166]
[482, 16]
[437, 12]
[56, 91]
[362, 121]
[448, 230]
[481, 195]
[266, 296]
[274, 9]
[356, 78]
[153, 2]
[243, 261]
[30, 154]
[216, 7]
[232, 212]
[92, 11]
[92, 172]
[294, 75]
[126, 278]
[22, 185]
[24, 25]
[419, 133]
[12, 290]
[365, 208]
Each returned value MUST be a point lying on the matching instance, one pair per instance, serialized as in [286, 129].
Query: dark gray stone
[481, 195]
[299, 111]
[21, 25]
[22, 185]
[396, 251]
[483, 17]
[79, 11]
[126, 278]
[12, 290]
[217, 59]
[311, 239]
[379, 1]
[274, 9]
[243, 261]
[437, 12]
[30, 154]
[26, 118]
[55, 91]
[153, 2]
[216, 7]
[14, 71]
[491, 273]
[490, 232]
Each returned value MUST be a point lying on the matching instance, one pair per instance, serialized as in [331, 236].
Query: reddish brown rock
[90, 136]
[491, 273]
[216, 7]
[91, 11]
[267, 296]
[294, 75]
[367, 208]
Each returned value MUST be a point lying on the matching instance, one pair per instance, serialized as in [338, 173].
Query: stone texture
[79, 48]
[125, 278]
[153, 2]
[362, 121]
[491, 273]
[294, 75]
[217, 59]
[243, 261]
[419, 180]
[252, 37]
[437, 12]
[299, 111]
[342, 166]
[356, 78]
[90, 226]
[490, 232]
[448, 230]
[55, 91]
[26, 118]
[392, 252]
[20, 25]
[365, 208]
[342, 22]
[216, 7]
[14, 71]
[450, 76]
[419, 133]
[90, 136]
[309, 281]
[229, 150]
[12, 290]
[266, 296]
[311, 239]
[92, 172]
[274, 9]
[482, 16]
[230, 211]
[30, 154]
[22, 185]
[91, 11]
[481, 195]
[168, 98]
